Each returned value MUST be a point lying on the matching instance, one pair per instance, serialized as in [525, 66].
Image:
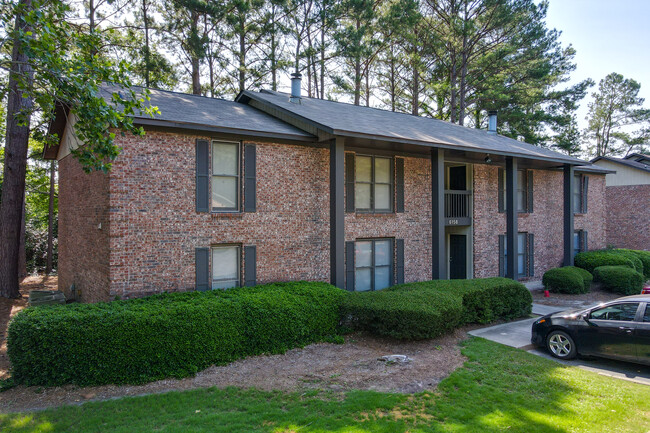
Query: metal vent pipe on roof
[295, 88]
[492, 122]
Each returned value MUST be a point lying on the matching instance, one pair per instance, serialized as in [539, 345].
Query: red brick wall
[628, 216]
[155, 227]
[83, 245]
[545, 223]
[413, 225]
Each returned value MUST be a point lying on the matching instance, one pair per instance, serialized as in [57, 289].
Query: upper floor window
[225, 176]
[580, 189]
[524, 195]
[373, 187]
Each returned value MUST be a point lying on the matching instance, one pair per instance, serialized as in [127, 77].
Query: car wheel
[561, 345]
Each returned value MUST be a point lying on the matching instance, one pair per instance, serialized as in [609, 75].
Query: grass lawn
[498, 389]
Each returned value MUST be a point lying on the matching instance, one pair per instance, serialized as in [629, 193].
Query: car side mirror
[585, 317]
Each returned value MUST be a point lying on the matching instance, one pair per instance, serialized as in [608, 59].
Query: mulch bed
[584, 300]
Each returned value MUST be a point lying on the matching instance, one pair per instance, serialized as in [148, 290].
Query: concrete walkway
[517, 334]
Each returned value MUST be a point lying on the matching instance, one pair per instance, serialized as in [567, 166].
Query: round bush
[619, 279]
[590, 260]
[564, 280]
[644, 256]
[631, 256]
[586, 276]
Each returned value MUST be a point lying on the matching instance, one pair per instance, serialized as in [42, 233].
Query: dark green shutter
[585, 191]
[399, 261]
[349, 265]
[529, 190]
[531, 254]
[502, 255]
[349, 182]
[250, 265]
[202, 175]
[399, 185]
[202, 265]
[502, 190]
[584, 246]
[250, 183]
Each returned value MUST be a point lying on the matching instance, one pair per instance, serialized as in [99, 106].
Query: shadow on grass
[499, 388]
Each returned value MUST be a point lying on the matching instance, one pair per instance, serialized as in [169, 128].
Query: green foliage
[167, 335]
[432, 308]
[619, 279]
[633, 257]
[643, 256]
[590, 260]
[568, 279]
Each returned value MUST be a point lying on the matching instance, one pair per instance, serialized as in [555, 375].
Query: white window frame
[237, 176]
[239, 259]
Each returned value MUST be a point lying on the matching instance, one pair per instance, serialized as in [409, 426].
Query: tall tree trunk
[50, 222]
[15, 165]
[357, 81]
[452, 85]
[415, 97]
[242, 54]
[322, 56]
[22, 254]
[147, 55]
[393, 84]
[367, 88]
[195, 61]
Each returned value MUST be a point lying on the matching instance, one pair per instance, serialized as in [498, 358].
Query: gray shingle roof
[200, 112]
[627, 162]
[356, 121]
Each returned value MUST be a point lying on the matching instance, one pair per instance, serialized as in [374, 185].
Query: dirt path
[9, 307]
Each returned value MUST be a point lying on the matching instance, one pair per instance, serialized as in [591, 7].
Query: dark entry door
[457, 257]
[458, 178]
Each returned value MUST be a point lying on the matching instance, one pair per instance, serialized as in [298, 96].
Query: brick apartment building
[628, 200]
[273, 187]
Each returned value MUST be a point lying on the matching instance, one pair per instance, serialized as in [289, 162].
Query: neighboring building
[628, 200]
[272, 188]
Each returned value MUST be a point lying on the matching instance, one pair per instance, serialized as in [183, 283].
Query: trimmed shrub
[619, 279]
[167, 335]
[631, 256]
[429, 309]
[586, 276]
[644, 256]
[590, 260]
[565, 280]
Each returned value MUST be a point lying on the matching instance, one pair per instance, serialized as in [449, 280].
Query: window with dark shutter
[250, 178]
[373, 189]
[349, 182]
[225, 176]
[524, 195]
[226, 260]
[585, 193]
[349, 265]
[529, 193]
[531, 255]
[373, 263]
[202, 268]
[502, 255]
[250, 265]
[525, 259]
[202, 176]
[399, 261]
[502, 190]
[399, 185]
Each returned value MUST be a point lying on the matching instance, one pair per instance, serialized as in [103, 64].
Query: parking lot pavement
[517, 334]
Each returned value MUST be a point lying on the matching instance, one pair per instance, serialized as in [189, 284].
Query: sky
[608, 36]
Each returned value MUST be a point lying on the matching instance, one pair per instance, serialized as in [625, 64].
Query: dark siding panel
[531, 255]
[502, 257]
[399, 185]
[349, 182]
[399, 260]
[202, 175]
[250, 265]
[529, 192]
[585, 241]
[585, 191]
[349, 265]
[250, 182]
[502, 190]
[202, 265]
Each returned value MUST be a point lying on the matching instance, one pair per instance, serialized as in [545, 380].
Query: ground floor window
[525, 252]
[373, 260]
[225, 266]
[579, 241]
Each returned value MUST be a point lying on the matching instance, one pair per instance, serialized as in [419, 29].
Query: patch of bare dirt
[339, 367]
[583, 300]
[9, 307]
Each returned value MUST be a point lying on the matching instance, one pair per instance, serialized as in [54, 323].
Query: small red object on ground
[646, 290]
[547, 294]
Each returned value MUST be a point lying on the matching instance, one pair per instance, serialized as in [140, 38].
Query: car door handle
[626, 329]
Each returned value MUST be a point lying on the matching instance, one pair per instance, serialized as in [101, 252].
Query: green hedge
[168, 335]
[568, 279]
[644, 257]
[429, 309]
[590, 260]
[619, 279]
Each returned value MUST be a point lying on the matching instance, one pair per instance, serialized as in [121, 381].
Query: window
[646, 316]
[373, 187]
[225, 176]
[373, 264]
[579, 241]
[525, 252]
[622, 312]
[580, 188]
[524, 191]
[225, 266]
